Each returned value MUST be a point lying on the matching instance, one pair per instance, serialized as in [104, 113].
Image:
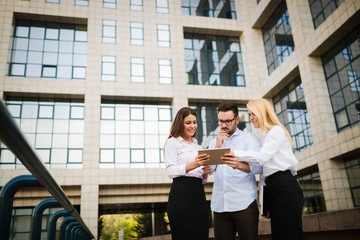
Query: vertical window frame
[134, 77]
[134, 6]
[162, 78]
[133, 27]
[161, 30]
[105, 60]
[106, 23]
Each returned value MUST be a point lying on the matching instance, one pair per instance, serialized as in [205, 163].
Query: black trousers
[285, 201]
[245, 222]
[188, 210]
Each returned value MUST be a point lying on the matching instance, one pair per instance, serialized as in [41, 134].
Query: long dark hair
[177, 127]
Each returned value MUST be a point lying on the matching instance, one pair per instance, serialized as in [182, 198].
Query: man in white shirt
[234, 193]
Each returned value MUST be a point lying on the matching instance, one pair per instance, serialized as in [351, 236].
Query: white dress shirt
[178, 153]
[234, 190]
[275, 153]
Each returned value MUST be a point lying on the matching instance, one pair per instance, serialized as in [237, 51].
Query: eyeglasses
[227, 122]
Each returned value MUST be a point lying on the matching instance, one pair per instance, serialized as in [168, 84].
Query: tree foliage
[135, 226]
[143, 227]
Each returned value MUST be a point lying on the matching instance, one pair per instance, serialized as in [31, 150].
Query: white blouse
[178, 153]
[275, 153]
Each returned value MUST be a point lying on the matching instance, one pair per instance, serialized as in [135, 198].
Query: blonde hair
[267, 116]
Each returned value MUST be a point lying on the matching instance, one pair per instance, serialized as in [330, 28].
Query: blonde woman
[285, 198]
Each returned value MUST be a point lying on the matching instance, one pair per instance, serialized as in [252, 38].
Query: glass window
[133, 134]
[162, 6]
[137, 70]
[108, 68]
[277, 36]
[209, 8]
[310, 183]
[50, 51]
[163, 34]
[109, 3]
[290, 108]
[353, 81]
[52, 1]
[208, 126]
[341, 73]
[320, 10]
[165, 71]
[213, 60]
[54, 127]
[352, 167]
[82, 2]
[136, 33]
[109, 31]
[22, 220]
[136, 5]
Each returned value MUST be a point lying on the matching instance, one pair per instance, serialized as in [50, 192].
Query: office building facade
[95, 84]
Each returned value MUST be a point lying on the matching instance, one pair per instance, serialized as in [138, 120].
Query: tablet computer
[215, 155]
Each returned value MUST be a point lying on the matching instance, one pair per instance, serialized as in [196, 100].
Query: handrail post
[69, 229]
[74, 232]
[7, 199]
[53, 221]
[37, 216]
[12, 136]
[63, 225]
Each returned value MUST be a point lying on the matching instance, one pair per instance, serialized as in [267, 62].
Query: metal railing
[14, 139]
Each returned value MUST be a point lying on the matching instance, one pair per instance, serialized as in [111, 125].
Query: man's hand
[232, 161]
[220, 138]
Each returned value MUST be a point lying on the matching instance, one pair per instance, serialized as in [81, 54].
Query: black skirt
[188, 210]
[285, 203]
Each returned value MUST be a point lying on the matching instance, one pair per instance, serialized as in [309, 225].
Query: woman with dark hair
[187, 210]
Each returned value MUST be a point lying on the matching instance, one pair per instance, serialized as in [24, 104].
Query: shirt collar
[237, 132]
[194, 141]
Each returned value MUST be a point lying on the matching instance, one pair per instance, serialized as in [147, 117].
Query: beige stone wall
[100, 186]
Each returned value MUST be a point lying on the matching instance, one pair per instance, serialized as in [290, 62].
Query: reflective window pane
[138, 133]
[45, 48]
[321, 10]
[291, 110]
[75, 156]
[222, 66]
[277, 36]
[82, 2]
[341, 68]
[45, 111]
[79, 72]
[136, 5]
[162, 6]
[310, 183]
[109, 31]
[137, 70]
[22, 31]
[108, 68]
[50, 130]
[137, 33]
[163, 34]
[165, 71]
